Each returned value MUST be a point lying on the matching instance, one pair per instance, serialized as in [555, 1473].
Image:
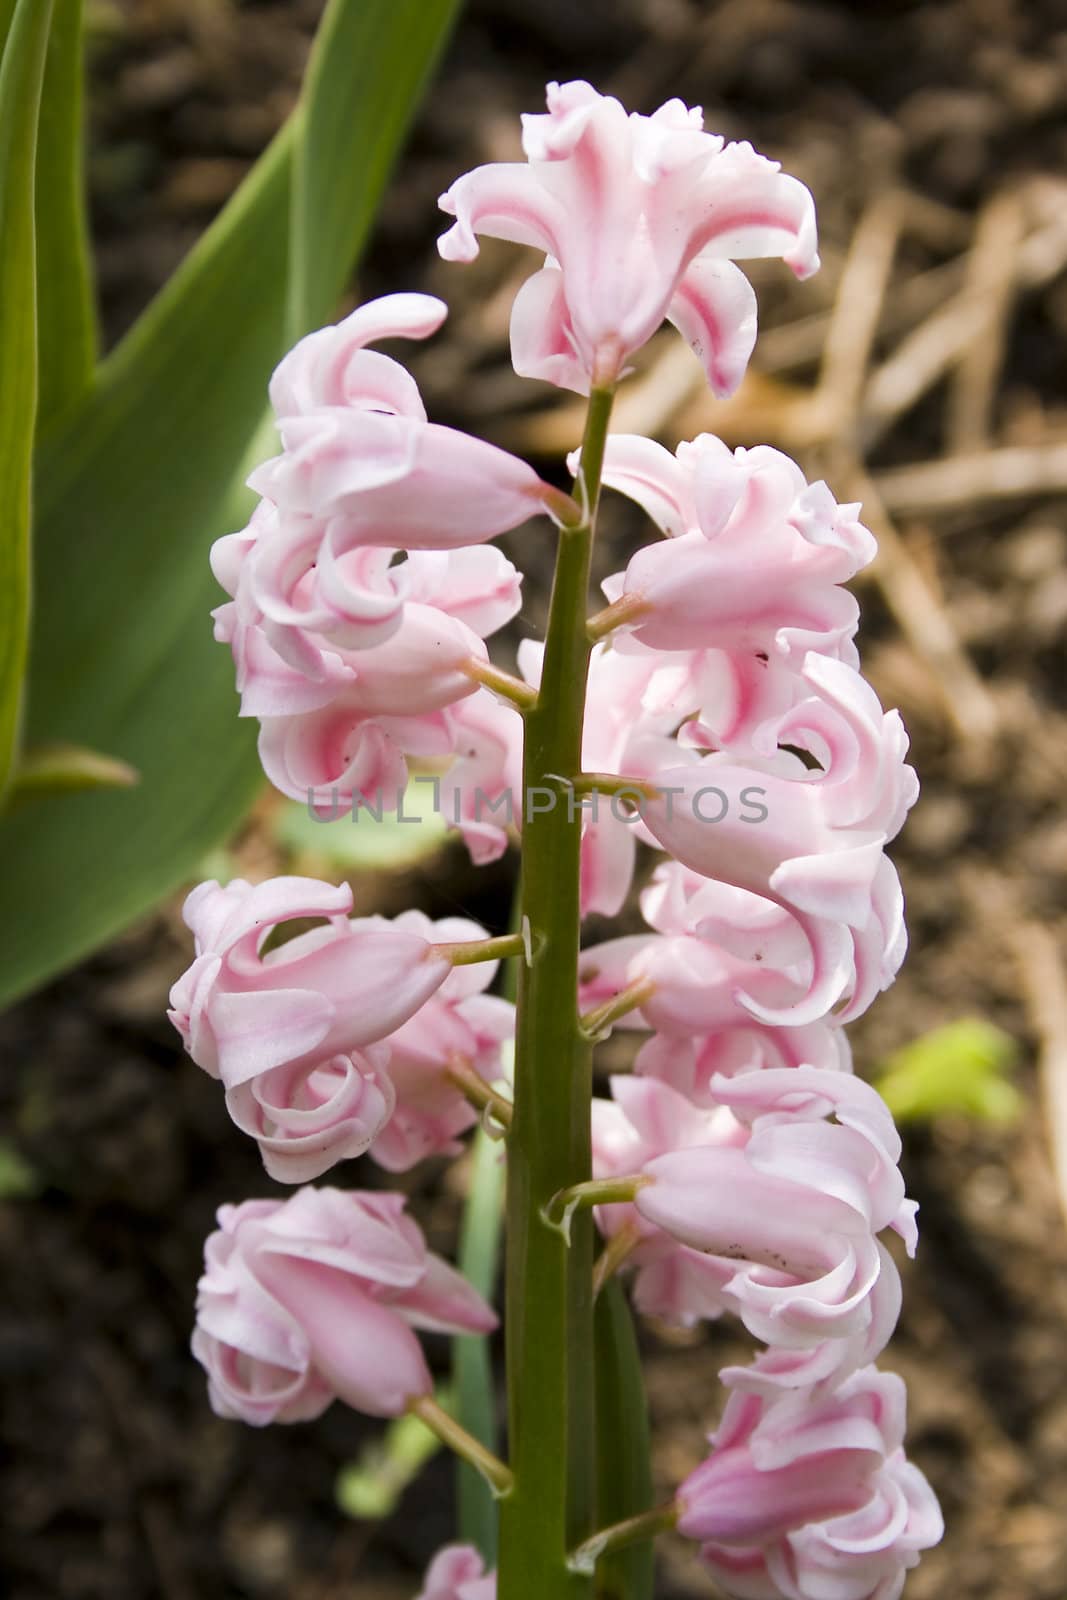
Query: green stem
[565, 1204]
[549, 1305]
[495, 1472]
[466, 952]
[505, 684]
[597, 1022]
[635, 1530]
[474, 1088]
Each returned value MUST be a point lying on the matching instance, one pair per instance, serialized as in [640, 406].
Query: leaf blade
[66, 308]
[132, 479]
[21, 79]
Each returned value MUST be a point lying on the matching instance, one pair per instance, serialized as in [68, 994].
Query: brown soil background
[934, 137]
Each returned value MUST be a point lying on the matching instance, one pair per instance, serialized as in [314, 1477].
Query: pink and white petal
[650, 474]
[714, 309]
[542, 341]
[503, 200]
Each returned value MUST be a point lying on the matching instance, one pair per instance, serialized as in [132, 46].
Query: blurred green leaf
[374, 58]
[133, 488]
[472, 1368]
[624, 1474]
[479, 1262]
[67, 334]
[21, 77]
[18, 1180]
[365, 840]
[960, 1067]
[370, 1488]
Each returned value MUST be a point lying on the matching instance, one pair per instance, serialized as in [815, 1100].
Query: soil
[120, 1481]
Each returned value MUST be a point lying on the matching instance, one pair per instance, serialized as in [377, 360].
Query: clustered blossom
[725, 700]
[339, 1040]
[362, 590]
[312, 1299]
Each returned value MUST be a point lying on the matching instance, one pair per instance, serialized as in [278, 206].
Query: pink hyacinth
[796, 1206]
[640, 218]
[308, 1116]
[750, 580]
[812, 1498]
[810, 840]
[333, 367]
[398, 482]
[314, 1298]
[358, 447]
[458, 1573]
[460, 1023]
[303, 626]
[242, 1012]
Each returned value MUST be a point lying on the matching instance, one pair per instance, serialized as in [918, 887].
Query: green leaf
[21, 77]
[372, 59]
[479, 1262]
[66, 311]
[472, 1369]
[624, 1474]
[960, 1068]
[135, 482]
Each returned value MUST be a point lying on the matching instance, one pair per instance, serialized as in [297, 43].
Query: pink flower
[358, 447]
[459, 1023]
[397, 481]
[300, 637]
[314, 1298]
[697, 985]
[690, 1064]
[242, 1012]
[809, 839]
[332, 366]
[812, 1498]
[750, 580]
[639, 218]
[340, 755]
[358, 742]
[458, 1573]
[796, 1206]
[308, 1116]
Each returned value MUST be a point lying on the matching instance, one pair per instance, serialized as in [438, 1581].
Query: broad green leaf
[624, 1473]
[21, 76]
[133, 486]
[375, 57]
[961, 1067]
[67, 335]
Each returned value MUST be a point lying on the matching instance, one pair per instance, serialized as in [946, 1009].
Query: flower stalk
[465, 1445]
[549, 1285]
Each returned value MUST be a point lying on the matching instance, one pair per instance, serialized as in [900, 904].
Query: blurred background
[921, 371]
